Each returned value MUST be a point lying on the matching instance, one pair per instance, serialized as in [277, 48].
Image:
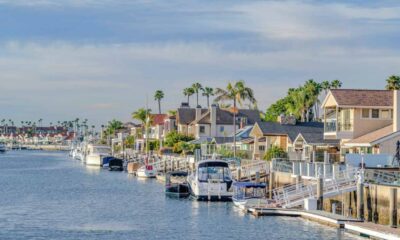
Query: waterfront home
[308, 137]
[186, 115]
[156, 128]
[217, 122]
[170, 125]
[365, 121]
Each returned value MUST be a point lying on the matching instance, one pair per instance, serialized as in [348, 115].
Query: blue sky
[98, 59]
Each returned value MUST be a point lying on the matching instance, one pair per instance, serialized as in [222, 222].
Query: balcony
[330, 125]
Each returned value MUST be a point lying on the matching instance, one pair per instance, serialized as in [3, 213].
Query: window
[221, 129]
[365, 113]
[375, 113]
[261, 148]
[385, 114]
[202, 129]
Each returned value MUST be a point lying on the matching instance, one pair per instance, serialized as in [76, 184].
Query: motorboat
[3, 148]
[146, 171]
[116, 164]
[211, 181]
[175, 185]
[249, 194]
[95, 154]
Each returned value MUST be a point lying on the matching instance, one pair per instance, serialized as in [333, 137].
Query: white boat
[3, 148]
[211, 181]
[95, 154]
[249, 194]
[146, 171]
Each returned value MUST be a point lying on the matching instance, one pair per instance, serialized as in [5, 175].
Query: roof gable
[362, 97]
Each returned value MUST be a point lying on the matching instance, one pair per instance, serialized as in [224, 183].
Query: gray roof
[225, 117]
[313, 138]
[274, 128]
[187, 115]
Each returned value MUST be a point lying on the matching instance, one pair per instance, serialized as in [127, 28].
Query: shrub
[274, 152]
[174, 137]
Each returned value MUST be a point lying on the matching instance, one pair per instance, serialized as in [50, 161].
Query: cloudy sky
[98, 59]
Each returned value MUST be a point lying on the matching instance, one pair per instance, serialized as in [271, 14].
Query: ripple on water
[46, 195]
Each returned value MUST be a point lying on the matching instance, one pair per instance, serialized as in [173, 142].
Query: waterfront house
[218, 123]
[365, 121]
[186, 115]
[308, 137]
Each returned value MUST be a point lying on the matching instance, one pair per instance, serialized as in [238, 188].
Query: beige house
[365, 121]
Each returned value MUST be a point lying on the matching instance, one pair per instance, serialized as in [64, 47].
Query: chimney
[213, 119]
[184, 105]
[198, 113]
[396, 111]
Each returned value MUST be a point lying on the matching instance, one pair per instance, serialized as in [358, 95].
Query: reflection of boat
[116, 164]
[96, 153]
[179, 189]
[211, 181]
[146, 171]
[247, 194]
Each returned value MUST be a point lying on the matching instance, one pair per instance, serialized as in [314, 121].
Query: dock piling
[271, 183]
[393, 208]
[320, 193]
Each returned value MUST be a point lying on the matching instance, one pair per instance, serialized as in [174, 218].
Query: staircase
[294, 195]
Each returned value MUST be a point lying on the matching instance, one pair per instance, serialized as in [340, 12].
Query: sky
[99, 59]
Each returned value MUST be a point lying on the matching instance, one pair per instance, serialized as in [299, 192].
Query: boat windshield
[214, 173]
[245, 193]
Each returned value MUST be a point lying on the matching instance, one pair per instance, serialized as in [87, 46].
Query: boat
[116, 164]
[177, 188]
[211, 181]
[96, 153]
[249, 194]
[132, 167]
[3, 148]
[146, 171]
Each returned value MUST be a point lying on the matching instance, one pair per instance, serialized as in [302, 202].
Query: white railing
[294, 195]
[249, 171]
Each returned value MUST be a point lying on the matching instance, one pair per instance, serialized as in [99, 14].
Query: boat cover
[249, 185]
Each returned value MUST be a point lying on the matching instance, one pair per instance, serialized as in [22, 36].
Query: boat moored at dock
[3, 148]
[96, 153]
[146, 171]
[249, 194]
[211, 181]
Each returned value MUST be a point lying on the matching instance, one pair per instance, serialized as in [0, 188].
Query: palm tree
[393, 83]
[207, 92]
[158, 96]
[335, 84]
[325, 85]
[196, 88]
[236, 92]
[188, 92]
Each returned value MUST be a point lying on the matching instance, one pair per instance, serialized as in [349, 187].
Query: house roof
[187, 115]
[316, 138]
[362, 97]
[371, 138]
[225, 117]
[275, 128]
[158, 119]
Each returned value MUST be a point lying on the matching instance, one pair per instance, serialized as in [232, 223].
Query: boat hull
[94, 160]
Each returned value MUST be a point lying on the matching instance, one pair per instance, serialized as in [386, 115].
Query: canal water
[47, 195]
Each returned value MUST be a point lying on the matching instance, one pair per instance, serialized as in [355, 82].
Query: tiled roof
[158, 119]
[372, 136]
[225, 117]
[275, 128]
[187, 115]
[357, 97]
[316, 137]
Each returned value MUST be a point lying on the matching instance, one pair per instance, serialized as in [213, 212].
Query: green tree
[174, 137]
[157, 97]
[275, 110]
[325, 85]
[207, 92]
[196, 88]
[236, 92]
[335, 84]
[188, 92]
[141, 115]
[393, 82]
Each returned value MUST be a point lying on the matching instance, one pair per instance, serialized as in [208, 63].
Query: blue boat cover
[249, 185]
[106, 160]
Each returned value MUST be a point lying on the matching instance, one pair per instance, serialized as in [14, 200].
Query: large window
[375, 113]
[385, 114]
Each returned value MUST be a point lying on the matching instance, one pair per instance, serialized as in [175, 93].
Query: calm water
[49, 196]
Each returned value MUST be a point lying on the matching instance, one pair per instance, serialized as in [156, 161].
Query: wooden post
[298, 180]
[393, 208]
[360, 201]
[320, 193]
[239, 174]
[167, 179]
[271, 183]
[257, 177]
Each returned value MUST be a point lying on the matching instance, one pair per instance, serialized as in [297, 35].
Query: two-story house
[365, 121]
[218, 123]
